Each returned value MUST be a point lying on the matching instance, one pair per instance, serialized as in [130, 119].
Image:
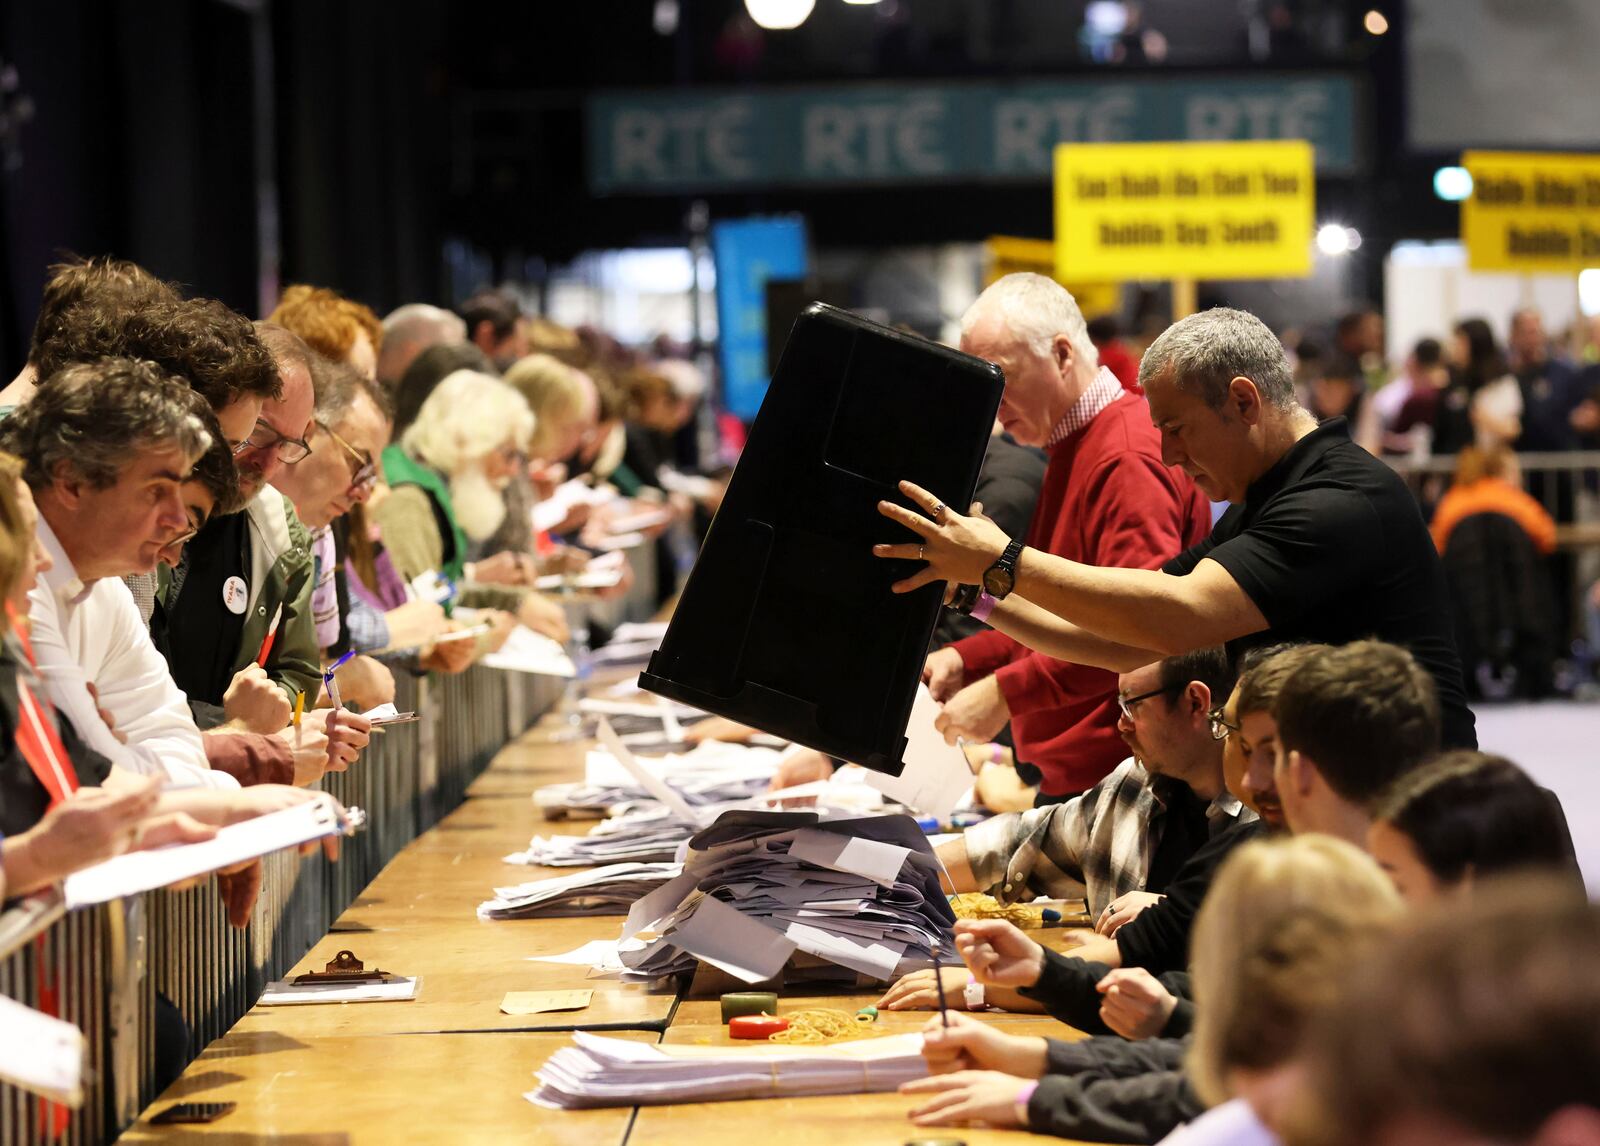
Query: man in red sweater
[1106, 500]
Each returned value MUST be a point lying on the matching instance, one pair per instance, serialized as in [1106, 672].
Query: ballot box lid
[787, 621]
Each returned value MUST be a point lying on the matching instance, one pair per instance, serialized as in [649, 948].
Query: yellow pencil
[299, 707]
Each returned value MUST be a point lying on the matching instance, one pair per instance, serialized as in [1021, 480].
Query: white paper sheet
[601, 953]
[877, 861]
[285, 993]
[937, 776]
[726, 938]
[661, 902]
[648, 780]
[40, 1054]
[135, 872]
[531, 652]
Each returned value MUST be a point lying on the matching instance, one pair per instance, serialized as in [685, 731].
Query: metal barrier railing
[102, 969]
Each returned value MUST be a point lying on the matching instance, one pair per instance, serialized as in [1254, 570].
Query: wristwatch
[964, 598]
[973, 995]
[1001, 577]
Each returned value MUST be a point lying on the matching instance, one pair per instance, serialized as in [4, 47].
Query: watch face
[998, 581]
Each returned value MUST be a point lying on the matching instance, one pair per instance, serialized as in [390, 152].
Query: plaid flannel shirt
[1097, 845]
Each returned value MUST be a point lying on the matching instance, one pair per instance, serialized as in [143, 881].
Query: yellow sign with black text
[1184, 210]
[1009, 254]
[1531, 212]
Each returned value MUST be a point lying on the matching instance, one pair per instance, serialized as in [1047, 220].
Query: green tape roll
[739, 1003]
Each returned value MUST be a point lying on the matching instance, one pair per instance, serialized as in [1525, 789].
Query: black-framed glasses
[265, 436]
[1220, 728]
[363, 471]
[1126, 703]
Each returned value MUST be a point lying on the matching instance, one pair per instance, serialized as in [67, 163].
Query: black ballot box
[787, 621]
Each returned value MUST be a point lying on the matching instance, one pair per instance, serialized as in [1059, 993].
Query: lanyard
[37, 738]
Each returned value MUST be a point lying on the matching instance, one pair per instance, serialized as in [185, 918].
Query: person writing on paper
[81, 733]
[1351, 722]
[236, 612]
[1125, 840]
[447, 474]
[1284, 917]
[1106, 500]
[349, 431]
[1323, 541]
[54, 817]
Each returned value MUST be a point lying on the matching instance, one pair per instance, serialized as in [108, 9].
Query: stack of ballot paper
[647, 835]
[605, 890]
[759, 886]
[600, 1071]
[710, 773]
[553, 510]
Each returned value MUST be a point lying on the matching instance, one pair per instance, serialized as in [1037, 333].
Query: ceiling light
[779, 14]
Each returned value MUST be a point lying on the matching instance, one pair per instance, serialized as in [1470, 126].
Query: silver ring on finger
[920, 553]
[938, 508]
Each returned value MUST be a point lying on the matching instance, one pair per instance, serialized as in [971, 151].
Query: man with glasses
[350, 430]
[1126, 840]
[238, 628]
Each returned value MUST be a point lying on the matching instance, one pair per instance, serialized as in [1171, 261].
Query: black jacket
[1113, 1090]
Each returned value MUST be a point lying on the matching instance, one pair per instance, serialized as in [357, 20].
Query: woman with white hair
[447, 476]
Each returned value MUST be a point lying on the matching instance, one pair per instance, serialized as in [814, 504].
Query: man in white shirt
[105, 453]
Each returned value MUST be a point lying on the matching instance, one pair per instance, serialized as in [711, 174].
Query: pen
[272, 633]
[332, 682]
[938, 982]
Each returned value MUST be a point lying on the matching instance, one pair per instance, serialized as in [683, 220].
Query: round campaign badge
[235, 595]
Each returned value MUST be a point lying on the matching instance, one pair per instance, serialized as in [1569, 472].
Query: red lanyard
[37, 738]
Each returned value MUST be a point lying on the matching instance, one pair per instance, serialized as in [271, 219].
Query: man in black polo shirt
[1323, 542]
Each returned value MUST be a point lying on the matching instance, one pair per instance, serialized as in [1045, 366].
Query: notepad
[41, 1054]
[140, 871]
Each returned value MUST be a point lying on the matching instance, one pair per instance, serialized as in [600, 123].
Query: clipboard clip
[343, 968]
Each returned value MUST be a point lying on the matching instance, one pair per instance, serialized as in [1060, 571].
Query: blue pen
[333, 685]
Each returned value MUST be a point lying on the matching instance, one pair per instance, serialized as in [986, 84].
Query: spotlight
[1452, 184]
[779, 14]
[1334, 239]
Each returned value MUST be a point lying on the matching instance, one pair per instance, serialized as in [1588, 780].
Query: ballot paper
[146, 870]
[41, 1054]
[646, 835]
[531, 652]
[757, 887]
[604, 890]
[602, 572]
[658, 788]
[709, 773]
[285, 993]
[552, 511]
[597, 1071]
[648, 517]
[936, 777]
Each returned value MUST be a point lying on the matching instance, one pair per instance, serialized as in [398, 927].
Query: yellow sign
[1184, 210]
[1009, 255]
[1531, 213]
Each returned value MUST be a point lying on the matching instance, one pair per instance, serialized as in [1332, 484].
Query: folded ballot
[140, 871]
[759, 887]
[709, 773]
[599, 1071]
[604, 890]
